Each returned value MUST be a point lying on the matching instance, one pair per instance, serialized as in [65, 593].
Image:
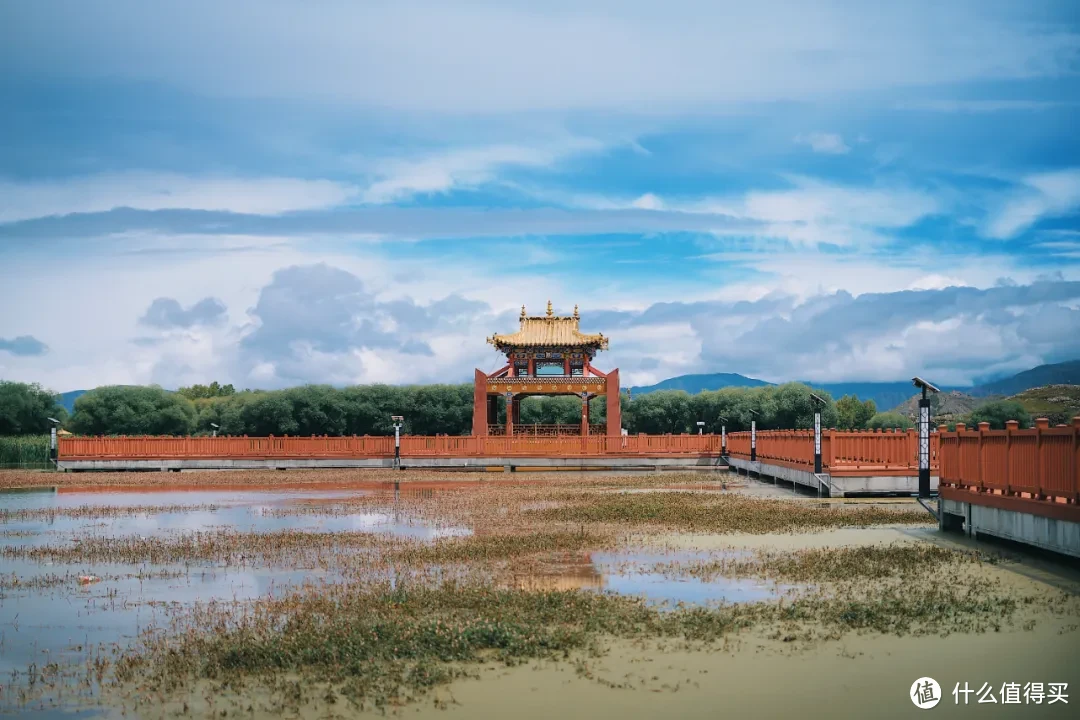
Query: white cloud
[486, 56]
[982, 106]
[809, 214]
[822, 142]
[396, 179]
[164, 191]
[1040, 196]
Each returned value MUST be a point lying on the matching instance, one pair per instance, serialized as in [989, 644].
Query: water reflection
[634, 572]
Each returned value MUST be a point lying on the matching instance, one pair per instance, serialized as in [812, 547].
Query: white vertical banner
[817, 433]
[753, 434]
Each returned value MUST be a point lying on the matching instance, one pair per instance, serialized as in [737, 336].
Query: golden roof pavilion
[551, 331]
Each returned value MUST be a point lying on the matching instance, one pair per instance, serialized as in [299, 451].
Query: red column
[510, 417]
[532, 367]
[584, 416]
[480, 406]
[614, 409]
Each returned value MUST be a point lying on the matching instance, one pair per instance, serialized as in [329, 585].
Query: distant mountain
[1066, 373]
[884, 394]
[952, 405]
[68, 399]
[694, 384]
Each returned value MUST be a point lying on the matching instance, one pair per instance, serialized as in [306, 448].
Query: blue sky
[271, 193]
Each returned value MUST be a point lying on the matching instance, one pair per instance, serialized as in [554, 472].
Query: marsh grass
[726, 513]
[97, 512]
[381, 646]
[831, 564]
[224, 546]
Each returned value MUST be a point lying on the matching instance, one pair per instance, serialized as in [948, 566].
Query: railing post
[1040, 425]
[1076, 460]
[1011, 426]
[984, 427]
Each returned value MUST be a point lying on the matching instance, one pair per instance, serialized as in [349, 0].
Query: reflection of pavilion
[548, 355]
[581, 575]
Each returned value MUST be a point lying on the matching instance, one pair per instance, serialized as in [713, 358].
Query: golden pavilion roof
[549, 330]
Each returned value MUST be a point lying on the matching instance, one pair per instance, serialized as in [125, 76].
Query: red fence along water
[80, 448]
[842, 452]
[1041, 464]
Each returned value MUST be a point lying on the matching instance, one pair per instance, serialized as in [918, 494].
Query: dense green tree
[889, 420]
[213, 390]
[133, 410]
[853, 414]
[25, 408]
[662, 411]
[447, 409]
[997, 412]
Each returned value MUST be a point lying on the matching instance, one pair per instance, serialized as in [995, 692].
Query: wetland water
[88, 571]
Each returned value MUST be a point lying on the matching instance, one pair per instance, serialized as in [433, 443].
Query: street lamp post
[53, 455]
[723, 435]
[924, 434]
[753, 435]
[700, 427]
[818, 404]
[398, 422]
[213, 433]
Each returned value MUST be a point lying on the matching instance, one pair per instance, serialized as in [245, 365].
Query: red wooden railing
[1042, 463]
[855, 452]
[87, 448]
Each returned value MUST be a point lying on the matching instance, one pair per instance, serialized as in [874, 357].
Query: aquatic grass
[96, 512]
[724, 513]
[383, 645]
[829, 564]
[224, 546]
[486, 548]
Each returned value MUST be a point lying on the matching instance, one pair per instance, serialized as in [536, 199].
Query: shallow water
[60, 618]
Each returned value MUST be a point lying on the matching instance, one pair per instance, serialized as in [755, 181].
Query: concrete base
[407, 463]
[835, 485]
[1061, 536]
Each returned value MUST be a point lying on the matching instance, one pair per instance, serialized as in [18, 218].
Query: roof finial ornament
[576, 315]
[550, 312]
[522, 312]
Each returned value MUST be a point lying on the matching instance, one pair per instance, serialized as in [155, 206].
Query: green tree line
[428, 410]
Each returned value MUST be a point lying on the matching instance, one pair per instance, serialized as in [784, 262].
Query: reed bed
[25, 452]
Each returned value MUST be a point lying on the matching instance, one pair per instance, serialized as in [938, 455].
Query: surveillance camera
[817, 399]
[923, 384]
